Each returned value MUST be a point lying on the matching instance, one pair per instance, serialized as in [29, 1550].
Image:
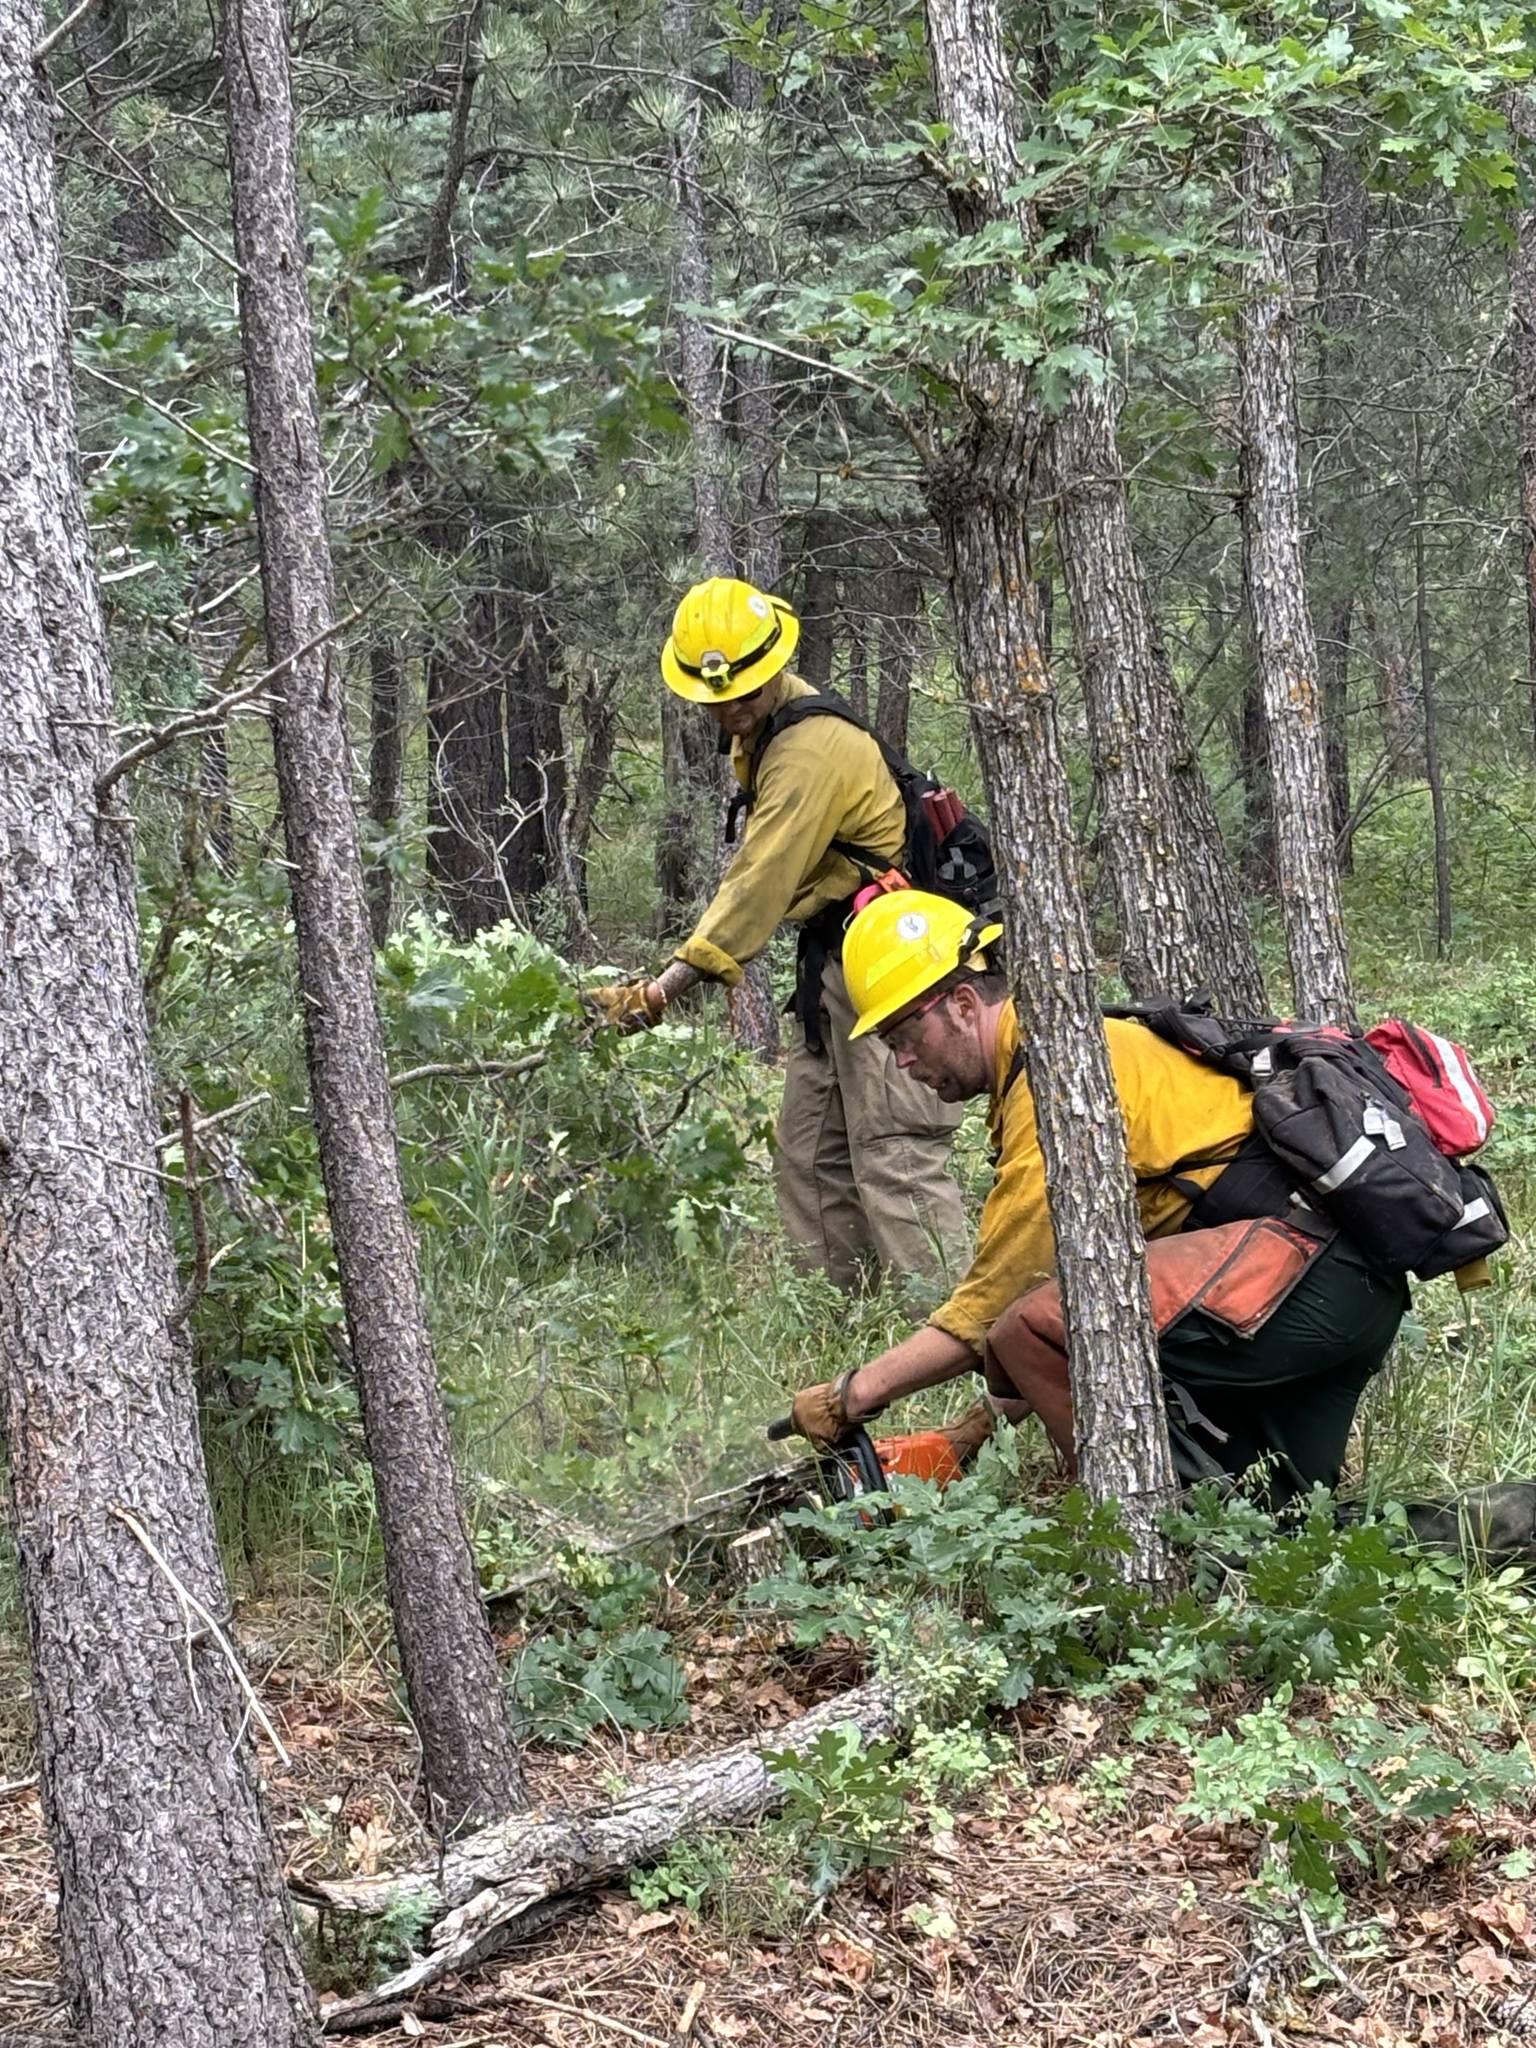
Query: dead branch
[60, 30]
[469, 1070]
[204, 716]
[490, 1883]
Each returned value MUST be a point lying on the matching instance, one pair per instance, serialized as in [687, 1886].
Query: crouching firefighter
[861, 1164]
[1270, 1321]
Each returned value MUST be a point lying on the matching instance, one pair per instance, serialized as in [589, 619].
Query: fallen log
[494, 1887]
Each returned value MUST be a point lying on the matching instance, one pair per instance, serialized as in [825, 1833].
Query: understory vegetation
[617, 1318]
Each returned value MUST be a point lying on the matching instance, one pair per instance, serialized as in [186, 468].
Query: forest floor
[1066, 1908]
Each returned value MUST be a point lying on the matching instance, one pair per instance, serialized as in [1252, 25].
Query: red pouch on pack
[1436, 1074]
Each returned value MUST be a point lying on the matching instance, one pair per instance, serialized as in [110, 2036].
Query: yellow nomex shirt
[1174, 1108]
[820, 780]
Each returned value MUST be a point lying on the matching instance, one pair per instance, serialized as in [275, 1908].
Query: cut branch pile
[497, 1886]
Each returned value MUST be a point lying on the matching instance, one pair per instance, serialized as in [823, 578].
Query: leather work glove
[968, 1432]
[820, 1413]
[624, 1005]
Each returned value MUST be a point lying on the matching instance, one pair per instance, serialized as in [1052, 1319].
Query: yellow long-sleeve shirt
[820, 780]
[1174, 1108]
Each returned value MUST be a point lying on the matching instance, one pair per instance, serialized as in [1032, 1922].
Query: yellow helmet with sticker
[903, 944]
[727, 640]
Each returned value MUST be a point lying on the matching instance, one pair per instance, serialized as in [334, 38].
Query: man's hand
[626, 1005]
[822, 1412]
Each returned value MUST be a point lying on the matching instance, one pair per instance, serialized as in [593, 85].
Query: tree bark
[467, 817]
[1432, 769]
[978, 489]
[1272, 553]
[489, 1887]
[818, 599]
[706, 787]
[1522, 307]
[386, 772]
[1341, 259]
[858, 663]
[531, 855]
[437, 268]
[901, 609]
[1183, 926]
[760, 545]
[172, 1922]
[447, 1659]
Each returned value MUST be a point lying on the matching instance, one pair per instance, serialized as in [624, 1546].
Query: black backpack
[947, 849]
[1335, 1132]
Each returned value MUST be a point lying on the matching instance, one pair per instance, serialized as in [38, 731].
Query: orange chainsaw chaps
[925, 1454]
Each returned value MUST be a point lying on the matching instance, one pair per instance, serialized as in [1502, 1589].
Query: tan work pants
[862, 1166]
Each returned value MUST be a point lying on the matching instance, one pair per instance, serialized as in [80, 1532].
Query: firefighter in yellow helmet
[1269, 1322]
[861, 1165]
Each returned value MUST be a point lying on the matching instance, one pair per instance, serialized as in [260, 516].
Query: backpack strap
[822, 704]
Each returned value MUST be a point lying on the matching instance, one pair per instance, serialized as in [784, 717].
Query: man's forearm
[925, 1359]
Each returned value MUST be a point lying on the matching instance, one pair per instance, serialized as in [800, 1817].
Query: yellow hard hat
[905, 943]
[727, 641]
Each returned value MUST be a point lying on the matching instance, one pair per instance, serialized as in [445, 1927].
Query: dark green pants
[1287, 1395]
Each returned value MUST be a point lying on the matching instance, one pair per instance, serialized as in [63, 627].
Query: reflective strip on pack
[1341, 1169]
[1461, 1081]
[1474, 1212]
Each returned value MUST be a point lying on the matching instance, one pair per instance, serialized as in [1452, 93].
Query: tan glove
[625, 1005]
[821, 1412]
[968, 1432]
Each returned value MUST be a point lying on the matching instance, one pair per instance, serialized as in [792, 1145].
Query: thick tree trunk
[488, 1888]
[1522, 307]
[1432, 769]
[1182, 922]
[172, 1923]
[901, 610]
[467, 818]
[386, 771]
[978, 491]
[1272, 551]
[448, 1662]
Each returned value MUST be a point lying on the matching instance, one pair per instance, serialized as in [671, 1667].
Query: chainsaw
[859, 1465]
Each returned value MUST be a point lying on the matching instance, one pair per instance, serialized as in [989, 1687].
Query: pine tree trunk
[1340, 308]
[706, 791]
[467, 818]
[172, 1922]
[1182, 922]
[901, 609]
[531, 855]
[386, 772]
[978, 489]
[1432, 769]
[858, 663]
[1522, 307]
[817, 604]
[1287, 653]
[760, 528]
[464, 59]
[447, 1659]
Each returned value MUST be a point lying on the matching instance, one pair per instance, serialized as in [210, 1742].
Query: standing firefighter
[1269, 1326]
[861, 1168]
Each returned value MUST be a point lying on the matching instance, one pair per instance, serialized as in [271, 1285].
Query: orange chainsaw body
[925, 1454]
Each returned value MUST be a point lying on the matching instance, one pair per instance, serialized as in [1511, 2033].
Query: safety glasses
[904, 1032]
